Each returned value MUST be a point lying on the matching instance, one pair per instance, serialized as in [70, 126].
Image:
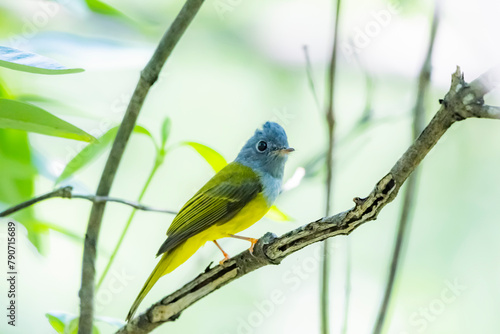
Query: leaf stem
[156, 165]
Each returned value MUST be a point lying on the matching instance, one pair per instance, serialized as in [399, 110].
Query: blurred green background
[240, 64]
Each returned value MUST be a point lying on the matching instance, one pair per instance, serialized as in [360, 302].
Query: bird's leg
[226, 256]
[253, 241]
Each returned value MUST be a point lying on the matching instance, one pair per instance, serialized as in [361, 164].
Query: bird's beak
[287, 150]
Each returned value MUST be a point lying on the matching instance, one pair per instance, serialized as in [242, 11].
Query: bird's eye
[261, 146]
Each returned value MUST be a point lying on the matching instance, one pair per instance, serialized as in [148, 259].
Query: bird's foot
[253, 241]
[226, 257]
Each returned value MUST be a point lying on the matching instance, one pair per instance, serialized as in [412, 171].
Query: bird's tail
[168, 262]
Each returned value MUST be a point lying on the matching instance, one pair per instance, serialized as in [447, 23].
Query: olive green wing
[216, 203]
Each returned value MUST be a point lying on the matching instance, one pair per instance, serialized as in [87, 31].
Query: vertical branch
[363, 120]
[411, 188]
[148, 77]
[310, 79]
[330, 120]
[347, 299]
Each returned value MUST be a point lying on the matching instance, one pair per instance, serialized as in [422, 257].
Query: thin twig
[324, 296]
[367, 114]
[270, 249]
[156, 165]
[64, 192]
[310, 78]
[135, 205]
[347, 287]
[489, 112]
[411, 188]
[67, 192]
[148, 77]
[368, 109]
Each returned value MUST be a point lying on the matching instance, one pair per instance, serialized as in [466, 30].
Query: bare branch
[135, 205]
[271, 249]
[486, 82]
[67, 192]
[324, 293]
[64, 192]
[148, 77]
[411, 187]
[489, 112]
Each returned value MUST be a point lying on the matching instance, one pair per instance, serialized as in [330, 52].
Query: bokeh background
[240, 64]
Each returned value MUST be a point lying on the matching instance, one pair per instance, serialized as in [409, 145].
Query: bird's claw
[226, 257]
[253, 242]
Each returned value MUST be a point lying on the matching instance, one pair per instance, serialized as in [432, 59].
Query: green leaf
[214, 159]
[88, 154]
[24, 116]
[143, 130]
[16, 167]
[37, 234]
[165, 131]
[277, 215]
[100, 7]
[72, 327]
[64, 317]
[4, 90]
[31, 62]
[68, 321]
[56, 323]
[72, 235]
[93, 150]
[17, 179]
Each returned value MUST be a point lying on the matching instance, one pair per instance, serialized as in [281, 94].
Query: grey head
[266, 151]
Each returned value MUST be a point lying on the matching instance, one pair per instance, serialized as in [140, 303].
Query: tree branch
[67, 192]
[411, 187]
[489, 112]
[148, 77]
[135, 205]
[461, 102]
[64, 192]
[324, 292]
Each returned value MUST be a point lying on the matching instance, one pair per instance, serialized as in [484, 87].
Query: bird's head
[267, 150]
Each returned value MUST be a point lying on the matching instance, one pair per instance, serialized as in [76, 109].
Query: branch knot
[66, 192]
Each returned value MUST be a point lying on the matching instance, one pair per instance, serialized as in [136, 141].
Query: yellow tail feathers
[152, 279]
[168, 262]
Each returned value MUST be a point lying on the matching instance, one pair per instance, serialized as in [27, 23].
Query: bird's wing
[216, 203]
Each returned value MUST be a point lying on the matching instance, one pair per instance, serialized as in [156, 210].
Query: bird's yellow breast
[249, 215]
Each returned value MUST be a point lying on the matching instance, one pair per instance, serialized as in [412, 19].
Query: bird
[234, 199]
